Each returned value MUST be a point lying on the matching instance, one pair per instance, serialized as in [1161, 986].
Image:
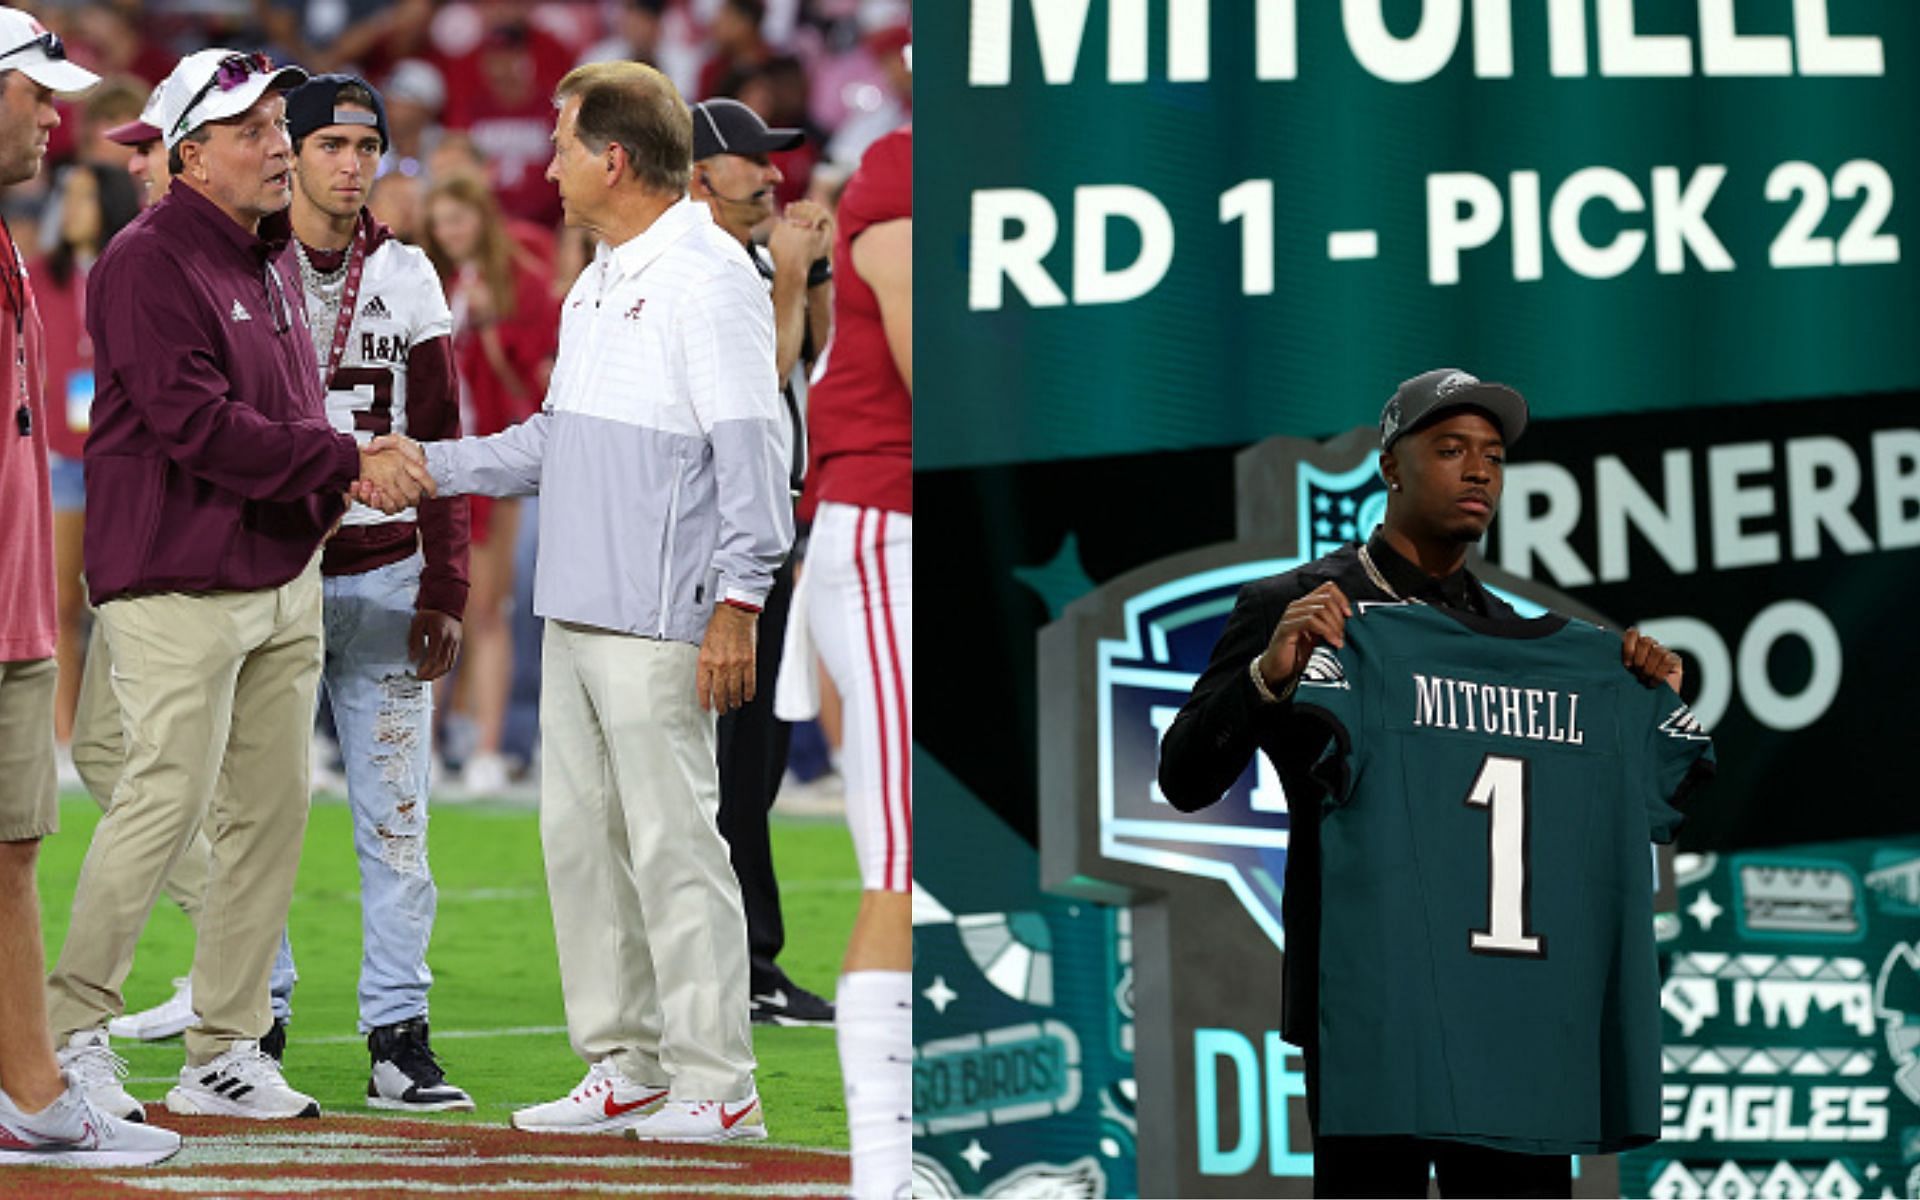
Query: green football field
[498, 1026]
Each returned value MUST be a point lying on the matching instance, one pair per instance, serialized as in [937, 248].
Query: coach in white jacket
[661, 462]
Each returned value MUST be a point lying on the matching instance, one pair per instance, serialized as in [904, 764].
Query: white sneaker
[90, 1063]
[485, 775]
[170, 1019]
[73, 1132]
[704, 1121]
[606, 1101]
[243, 1082]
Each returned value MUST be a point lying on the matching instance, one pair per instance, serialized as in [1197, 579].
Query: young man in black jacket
[1443, 441]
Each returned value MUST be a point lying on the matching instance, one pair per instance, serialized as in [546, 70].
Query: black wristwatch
[820, 272]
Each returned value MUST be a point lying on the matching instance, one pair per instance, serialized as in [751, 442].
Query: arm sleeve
[433, 414]
[1218, 729]
[183, 397]
[1680, 758]
[726, 343]
[505, 464]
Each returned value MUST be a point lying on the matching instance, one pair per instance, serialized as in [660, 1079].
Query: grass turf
[495, 975]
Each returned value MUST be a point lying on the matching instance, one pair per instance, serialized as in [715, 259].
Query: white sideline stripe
[366, 1140]
[485, 895]
[357, 1039]
[219, 1185]
[234, 1154]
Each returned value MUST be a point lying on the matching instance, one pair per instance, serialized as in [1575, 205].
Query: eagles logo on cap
[1430, 394]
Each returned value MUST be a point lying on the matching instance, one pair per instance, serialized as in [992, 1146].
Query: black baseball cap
[730, 127]
[311, 106]
[1427, 395]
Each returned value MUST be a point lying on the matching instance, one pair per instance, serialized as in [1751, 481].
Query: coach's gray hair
[638, 108]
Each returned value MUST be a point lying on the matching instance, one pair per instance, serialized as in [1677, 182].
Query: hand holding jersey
[1651, 662]
[1317, 617]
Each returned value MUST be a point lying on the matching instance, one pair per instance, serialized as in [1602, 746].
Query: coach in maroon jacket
[213, 478]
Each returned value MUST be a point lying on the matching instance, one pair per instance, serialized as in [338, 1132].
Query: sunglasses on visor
[232, 72]
[47, 43]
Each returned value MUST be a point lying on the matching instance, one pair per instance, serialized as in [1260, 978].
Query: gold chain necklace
[1380, 581]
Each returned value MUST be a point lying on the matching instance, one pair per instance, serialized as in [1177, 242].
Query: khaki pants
[217, 693]
[646, 910]
[29, 793]
[100, 754]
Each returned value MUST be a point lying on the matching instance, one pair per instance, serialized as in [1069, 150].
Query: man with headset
[733, 174]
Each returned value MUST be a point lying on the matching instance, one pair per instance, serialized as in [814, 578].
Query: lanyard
[16, 288]
[349, 297]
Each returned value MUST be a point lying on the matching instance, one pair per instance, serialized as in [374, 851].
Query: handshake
[393, 474]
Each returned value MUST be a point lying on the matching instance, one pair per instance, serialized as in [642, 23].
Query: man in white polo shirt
[661, 461]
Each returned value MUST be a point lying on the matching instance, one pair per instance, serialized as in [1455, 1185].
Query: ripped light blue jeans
[384, 717]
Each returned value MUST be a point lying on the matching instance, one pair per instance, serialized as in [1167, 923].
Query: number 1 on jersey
[1501, 789]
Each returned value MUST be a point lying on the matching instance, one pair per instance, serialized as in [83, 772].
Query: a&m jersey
[400, 306]
[1487, 965]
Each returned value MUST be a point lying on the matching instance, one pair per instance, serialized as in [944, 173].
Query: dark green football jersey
[1487, 968]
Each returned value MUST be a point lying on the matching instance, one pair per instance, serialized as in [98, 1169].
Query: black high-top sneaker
[405, 1074]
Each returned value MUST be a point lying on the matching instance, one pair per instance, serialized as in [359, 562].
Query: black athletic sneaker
[405, 1074]
[274, 1044]
[790, 1004]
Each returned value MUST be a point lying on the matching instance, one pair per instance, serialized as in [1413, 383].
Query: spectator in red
[506, 331]
[739, 47]
[91, 204]
[501, 96]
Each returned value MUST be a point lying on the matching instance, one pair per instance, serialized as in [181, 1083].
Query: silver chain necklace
[329, 288]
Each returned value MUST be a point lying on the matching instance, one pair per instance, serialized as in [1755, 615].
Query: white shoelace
[96, 1066]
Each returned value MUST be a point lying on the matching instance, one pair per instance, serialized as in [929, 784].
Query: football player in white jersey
[395, 586]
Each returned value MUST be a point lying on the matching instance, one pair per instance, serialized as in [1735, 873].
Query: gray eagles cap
[1428, 395]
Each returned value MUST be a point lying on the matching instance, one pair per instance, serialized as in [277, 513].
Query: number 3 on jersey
[377, 417]
[1501, 789]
